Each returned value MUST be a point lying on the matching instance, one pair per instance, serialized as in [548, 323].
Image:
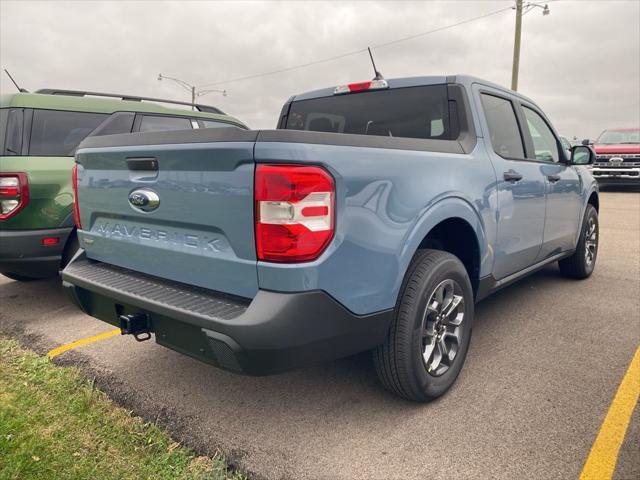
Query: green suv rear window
[58, 133]
[11, 131]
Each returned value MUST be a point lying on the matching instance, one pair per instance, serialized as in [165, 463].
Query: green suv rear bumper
[22, 252]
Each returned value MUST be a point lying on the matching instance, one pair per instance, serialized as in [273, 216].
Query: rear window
[413, 112]
[4, 117]
[57, 133]
[11, 131]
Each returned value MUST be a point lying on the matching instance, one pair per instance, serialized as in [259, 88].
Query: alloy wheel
[441, 327]
[590, 242]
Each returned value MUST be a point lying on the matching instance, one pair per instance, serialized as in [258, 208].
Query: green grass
[55, 425]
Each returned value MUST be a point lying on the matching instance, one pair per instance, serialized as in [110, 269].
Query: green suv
[39, 133]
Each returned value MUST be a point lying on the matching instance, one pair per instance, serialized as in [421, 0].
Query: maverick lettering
[189, 240]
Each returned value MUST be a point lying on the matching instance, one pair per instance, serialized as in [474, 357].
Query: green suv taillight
[14, 193]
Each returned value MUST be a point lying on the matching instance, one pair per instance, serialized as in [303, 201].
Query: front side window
[57, 133]
[157, 123]
[545, 145]
[412, 112]
[503, 126]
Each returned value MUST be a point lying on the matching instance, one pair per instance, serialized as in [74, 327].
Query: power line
[273, 72]
[439, 29]
[355, 52]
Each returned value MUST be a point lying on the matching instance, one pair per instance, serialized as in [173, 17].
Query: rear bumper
[22, 252]
[272, 333]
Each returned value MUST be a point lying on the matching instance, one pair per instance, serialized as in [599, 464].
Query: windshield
[619, 136]
[413, 112]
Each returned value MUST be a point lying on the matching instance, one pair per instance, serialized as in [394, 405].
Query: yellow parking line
[70, 346]
[602, 458]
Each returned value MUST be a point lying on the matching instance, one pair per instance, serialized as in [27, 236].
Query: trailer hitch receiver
[137, 325]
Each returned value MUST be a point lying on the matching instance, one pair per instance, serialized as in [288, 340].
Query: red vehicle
[617, 157]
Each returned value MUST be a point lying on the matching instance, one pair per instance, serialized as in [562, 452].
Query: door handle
[512, 176]
[142, 169]
[553, 178]
[142, 164]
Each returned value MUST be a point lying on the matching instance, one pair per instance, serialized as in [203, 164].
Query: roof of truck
[94, 104]
[418, 81]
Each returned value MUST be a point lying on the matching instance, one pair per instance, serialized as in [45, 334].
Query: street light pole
[516, 47]
[191, 88]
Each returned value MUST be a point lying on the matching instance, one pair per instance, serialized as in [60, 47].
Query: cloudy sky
[581, 63]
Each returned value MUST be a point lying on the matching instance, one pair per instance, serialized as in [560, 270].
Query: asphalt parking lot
[545, 362]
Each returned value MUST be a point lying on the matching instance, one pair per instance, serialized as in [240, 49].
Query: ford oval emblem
[144, 199]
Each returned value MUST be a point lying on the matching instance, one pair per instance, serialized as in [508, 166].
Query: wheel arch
[454, 226]
[594, 199]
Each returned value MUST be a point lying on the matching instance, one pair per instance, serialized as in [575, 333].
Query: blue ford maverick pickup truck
[373, 218]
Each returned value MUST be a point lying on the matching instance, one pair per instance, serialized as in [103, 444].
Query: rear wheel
[583, 261]
[429, 337]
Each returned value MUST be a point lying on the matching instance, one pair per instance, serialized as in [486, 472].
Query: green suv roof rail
[131, 98]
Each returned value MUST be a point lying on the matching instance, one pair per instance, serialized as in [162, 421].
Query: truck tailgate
[202, 230]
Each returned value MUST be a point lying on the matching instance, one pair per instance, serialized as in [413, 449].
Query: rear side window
[503, 126]
[214, 124]
[545, 144]
[157, 123]
[412, 112]
[57, 133]
[119, 122]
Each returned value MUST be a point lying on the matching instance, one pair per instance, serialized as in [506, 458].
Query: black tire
[400, 362]
[583, 261]
[19, 278]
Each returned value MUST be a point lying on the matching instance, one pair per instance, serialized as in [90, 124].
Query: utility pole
[516, 47]
[520, 11]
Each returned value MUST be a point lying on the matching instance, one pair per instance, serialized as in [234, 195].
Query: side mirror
[586, 142]
[582, 155]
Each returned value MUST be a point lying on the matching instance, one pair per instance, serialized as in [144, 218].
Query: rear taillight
[74, 183]
[294, 212]
[14, 193]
